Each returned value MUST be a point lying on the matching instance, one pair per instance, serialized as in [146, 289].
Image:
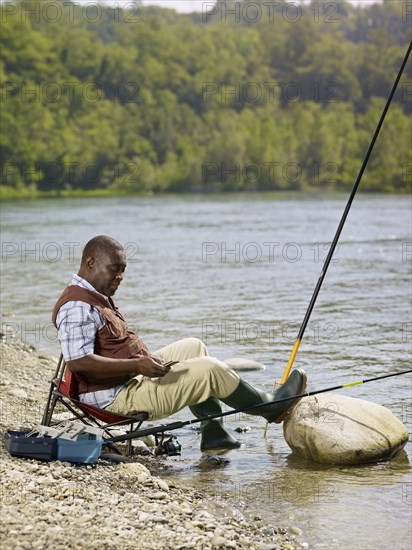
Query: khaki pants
[196, 377]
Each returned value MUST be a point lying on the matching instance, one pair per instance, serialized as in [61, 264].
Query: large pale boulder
[337, 429]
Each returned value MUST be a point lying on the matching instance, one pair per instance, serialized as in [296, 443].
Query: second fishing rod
[161, 428]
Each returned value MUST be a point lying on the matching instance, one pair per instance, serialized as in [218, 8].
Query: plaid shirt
[77, 324]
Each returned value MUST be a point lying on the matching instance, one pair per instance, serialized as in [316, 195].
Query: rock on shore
[338, 429]
[106, 506]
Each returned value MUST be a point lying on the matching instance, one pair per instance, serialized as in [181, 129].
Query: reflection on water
[333, 506]
[239, 272]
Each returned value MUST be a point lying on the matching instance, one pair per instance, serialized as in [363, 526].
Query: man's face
[105, 273]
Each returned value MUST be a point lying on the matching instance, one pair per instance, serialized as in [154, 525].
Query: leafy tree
[267, 97]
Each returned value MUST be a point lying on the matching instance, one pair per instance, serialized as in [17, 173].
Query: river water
[238, 271]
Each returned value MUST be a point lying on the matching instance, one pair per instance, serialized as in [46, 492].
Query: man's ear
[90, 262]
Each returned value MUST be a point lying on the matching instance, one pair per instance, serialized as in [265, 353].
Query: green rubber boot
[214, 434]
[246, 395]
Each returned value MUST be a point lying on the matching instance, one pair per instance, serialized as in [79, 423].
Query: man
[115, 370]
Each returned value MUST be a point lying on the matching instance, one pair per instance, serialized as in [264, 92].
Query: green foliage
[251, 96]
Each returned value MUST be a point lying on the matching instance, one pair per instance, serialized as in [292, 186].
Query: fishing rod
[342, 223]
[181, 424]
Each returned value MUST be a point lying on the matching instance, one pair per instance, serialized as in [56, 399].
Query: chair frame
[63, 391]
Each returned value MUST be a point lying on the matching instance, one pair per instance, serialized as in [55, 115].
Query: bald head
[99, 246]
[103, 264]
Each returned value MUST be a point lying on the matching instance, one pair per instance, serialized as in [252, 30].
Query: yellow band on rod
[290, 362]
[352, 384]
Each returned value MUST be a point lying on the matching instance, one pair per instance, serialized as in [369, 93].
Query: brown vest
[114, 340]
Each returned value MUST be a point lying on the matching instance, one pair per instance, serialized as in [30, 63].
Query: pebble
[110, 505]
[218, 541]
[159, 519]
[162, 485]
[17, 392]
[158, 496]
[242, 429]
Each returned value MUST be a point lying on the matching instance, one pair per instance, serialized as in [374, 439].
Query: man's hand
[105, 370]
[151, 366]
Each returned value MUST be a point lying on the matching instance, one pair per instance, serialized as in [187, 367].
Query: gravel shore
[107, 506]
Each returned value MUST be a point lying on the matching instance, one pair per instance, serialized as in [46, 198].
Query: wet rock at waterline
[240, 364]
[337, 429]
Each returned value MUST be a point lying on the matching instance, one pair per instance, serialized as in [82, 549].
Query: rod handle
[290, 362]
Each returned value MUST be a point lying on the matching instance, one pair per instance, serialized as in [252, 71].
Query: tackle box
[40, 448]
[85, 449]
[66, 444]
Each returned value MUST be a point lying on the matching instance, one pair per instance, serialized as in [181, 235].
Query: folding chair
[64, 391]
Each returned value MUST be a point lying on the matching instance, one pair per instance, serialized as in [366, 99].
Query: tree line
[245, 96]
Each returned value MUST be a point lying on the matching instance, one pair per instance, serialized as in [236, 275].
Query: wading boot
[214, 434]
[246, 395]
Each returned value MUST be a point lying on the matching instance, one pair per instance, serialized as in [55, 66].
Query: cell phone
[170, 363]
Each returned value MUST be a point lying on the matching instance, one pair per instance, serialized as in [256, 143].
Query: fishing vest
[114, 340]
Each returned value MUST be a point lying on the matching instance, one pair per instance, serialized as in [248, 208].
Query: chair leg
[52, 399]
[49, 409]
[129, 443]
